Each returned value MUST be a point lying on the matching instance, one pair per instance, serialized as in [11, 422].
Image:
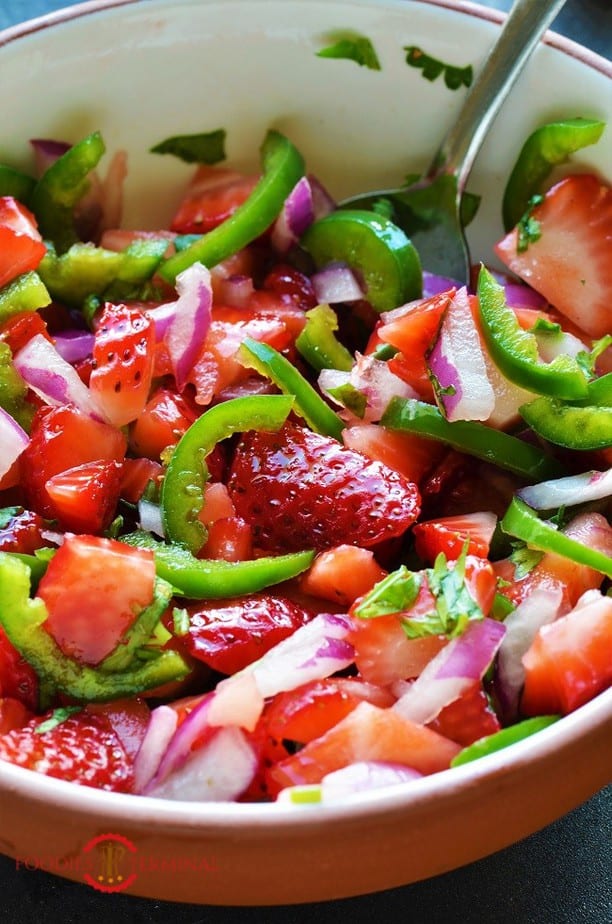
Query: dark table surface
[561, 875]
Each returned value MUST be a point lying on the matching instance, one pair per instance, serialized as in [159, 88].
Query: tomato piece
[366, 733]
[20, 328]
[468, 718]
[570, 660]
[410, 455]
[229, 539]
[18, 680]
[449, 535]
[94, 589]
[137, 473]
[124, 355]
[342, 574]
[62, 438]
[163, 420]
[213, 196]
[312, 709]
[86, 497]
[21, 246]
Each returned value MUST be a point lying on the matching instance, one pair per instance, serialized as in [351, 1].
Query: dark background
[561, 875]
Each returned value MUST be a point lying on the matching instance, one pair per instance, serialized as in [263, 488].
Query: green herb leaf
[432, 68]
[394, 594]
[203, 148]
[455, 606]
[524, 559]
[7, 514]
[351, 46]
[528, 227]
[56, 718]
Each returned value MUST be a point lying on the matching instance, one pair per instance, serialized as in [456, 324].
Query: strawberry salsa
[282, 514]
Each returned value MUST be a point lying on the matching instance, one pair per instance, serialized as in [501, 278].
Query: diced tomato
[309, 711]
[229, 539]
[137, 473]
[342, 574]
[62, 438]
[85, 497]
[18, 679]
[20, 328]
[449, 535]
[468, 718]
[13, 714]
[21, 246]
[570, 660]
[162, 422]
[367, 733]
[124, 354]
[213, 196]
[407, 453]
[94, 589]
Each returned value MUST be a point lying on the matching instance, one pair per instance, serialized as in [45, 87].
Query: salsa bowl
[141, 70]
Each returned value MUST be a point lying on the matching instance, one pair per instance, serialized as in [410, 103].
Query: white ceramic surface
[141, 71]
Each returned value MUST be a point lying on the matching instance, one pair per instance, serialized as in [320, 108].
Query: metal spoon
[430, 210]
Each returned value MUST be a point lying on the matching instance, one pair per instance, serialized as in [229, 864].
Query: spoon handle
[523, 29]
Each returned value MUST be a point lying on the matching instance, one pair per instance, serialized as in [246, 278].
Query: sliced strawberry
[213, 196]
[342, 574]
[449, 535]
[137, 474]
[569, 264]
[229, 539]
[18, 680]
[21, 246]
[230, 634]
[468, 718]
[82, 748]
[162, 422]
[20, 328]
[86, 497]
[407, 453]
[301, 490]
[21, 531]
[13, 714]
[291, 285]
[124, 353]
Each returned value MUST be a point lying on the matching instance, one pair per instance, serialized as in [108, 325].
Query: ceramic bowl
[141, 71]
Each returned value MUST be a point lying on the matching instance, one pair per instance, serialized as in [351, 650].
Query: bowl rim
[267, 818]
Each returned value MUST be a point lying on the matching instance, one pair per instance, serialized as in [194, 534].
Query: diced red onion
[457, 362]
[322, 201]
[74, 345]
[541, 606]
[111, 192]
[296, 215]
[522, 296]
[52, 536]
[189, 326]
[149, 515]
[162, 316]
[433, 285]
[179, 746]
[235, 291]
[568, 491]
[13, 440]
[52, 378]
[46, 152]
[373, 378]
[219, 770]
[363, 776]
[452, 671]
[551, 345]
[161, 728]
[337, 283]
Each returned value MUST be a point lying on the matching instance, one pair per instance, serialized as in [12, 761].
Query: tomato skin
[62, 438]
[86, 497]
[18, 680]
[21, 246]
[162, 422]
[570, 660]
[93, 589]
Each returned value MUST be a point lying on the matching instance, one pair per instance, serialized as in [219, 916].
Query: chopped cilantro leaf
[528, 228]
[432, 68]
[524, 559]
[351, 46]
[394, 594]
[56, 718]
[203, 148]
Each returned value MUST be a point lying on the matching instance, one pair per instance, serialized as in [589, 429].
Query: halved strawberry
[13, 714]
[569, 263]
[407, 453]
[301, 490]
[468, 718]
[18, 679]
[213, 195]
[449, 535]
[342, 574]
[21, 246]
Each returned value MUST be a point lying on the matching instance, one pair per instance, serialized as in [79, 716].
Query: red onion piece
[568, 491]
[74, 345]
[13, 440]
[52, 378]
[217, 771]
[296, 215]
[541, 606]
[161, 728]
[363, 776]
[150, 519]
[433, 285]
[189, 326]
[373, 378]
[235, 291]
[179, 746]
[457, 362]
[337, 283]
[46, 152]
[452, 671]
[551, 345]
[162, 316]
[522, 296]
[322, 201]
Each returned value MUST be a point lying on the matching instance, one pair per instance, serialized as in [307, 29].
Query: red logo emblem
[114, 871]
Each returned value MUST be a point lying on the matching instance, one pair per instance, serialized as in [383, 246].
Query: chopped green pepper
[141, 629]
[584, 427]
[13, 390]
[61, 187]
[317, 343]
[283, 166]
[200, 579]
[515, 351]
[503, 739]
[307, 402]
[471, 437]
[16, 184]
[374, 247]
[22, 619]
[548, 146]
[25, 293]
[182, 494]
[523, 522]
